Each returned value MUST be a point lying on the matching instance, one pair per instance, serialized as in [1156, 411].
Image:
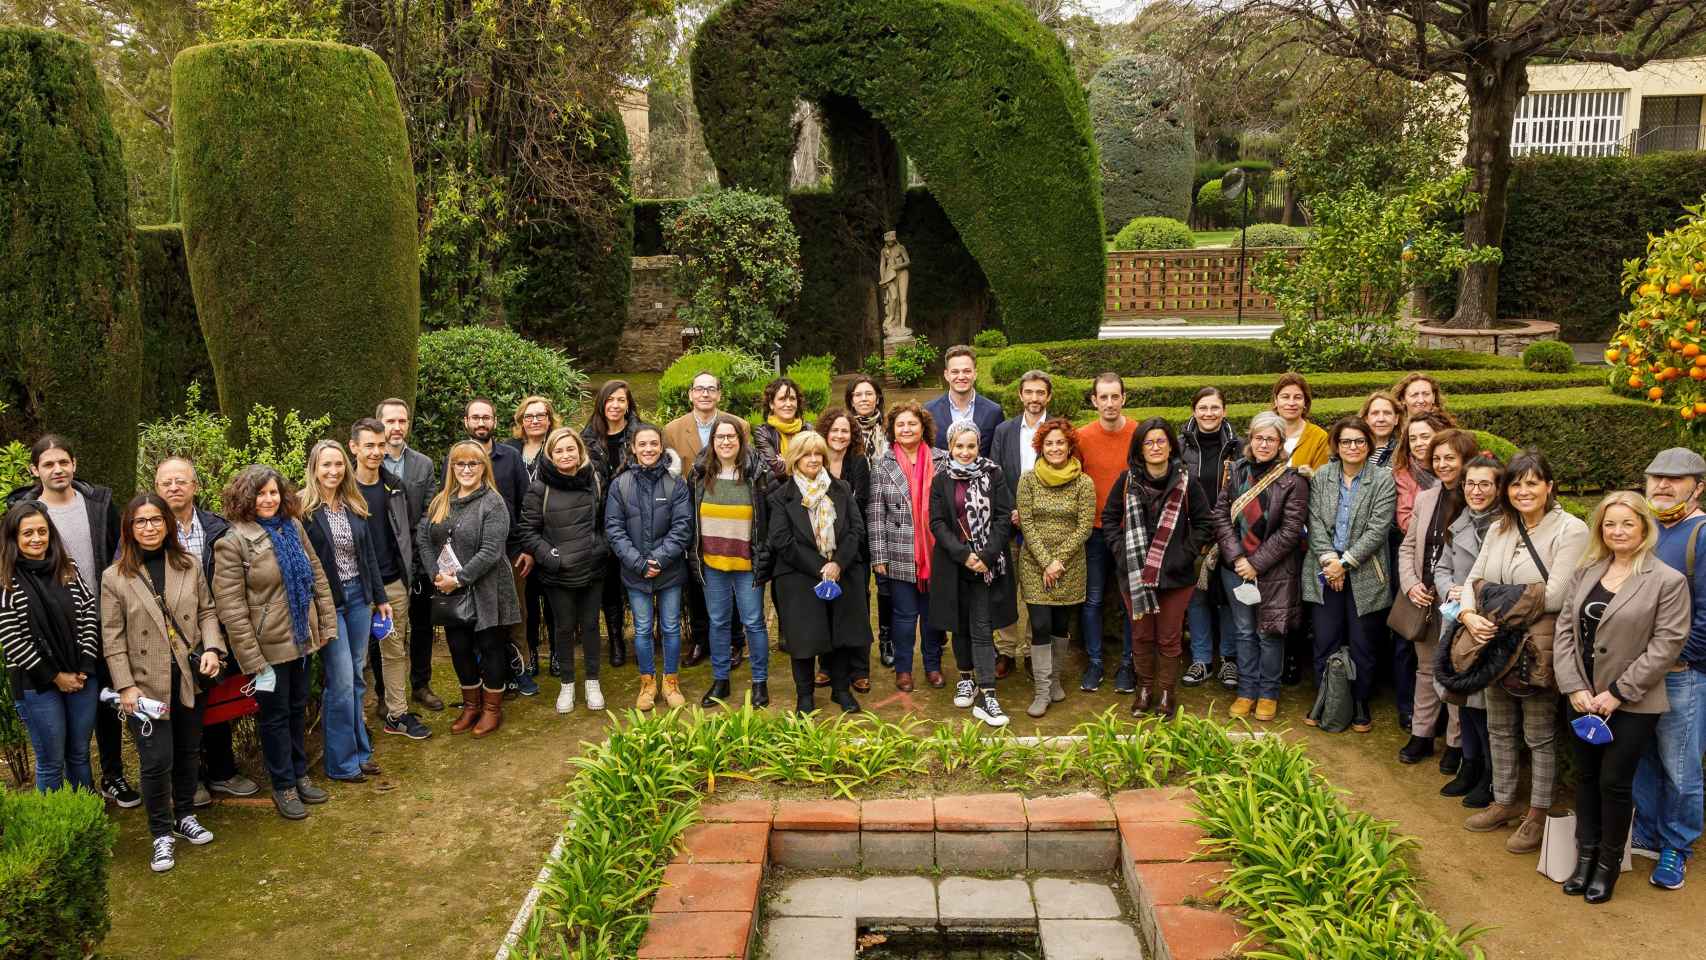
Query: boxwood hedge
[1183, 356]
[174, 353]
[55, 849]
[743, 381]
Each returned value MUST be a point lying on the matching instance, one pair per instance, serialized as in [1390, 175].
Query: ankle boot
[1062, 649]
[1042, 678]
[1468, 775]
[843, 697]
[760, 693]
[672, 694]
[1143, 662]
[618, 651]
[1586, 859]
[1604, 880]
[1482, 795]
[648, 695]
[492, 717]
[1166, 678]
[719, 692]
[470, 709]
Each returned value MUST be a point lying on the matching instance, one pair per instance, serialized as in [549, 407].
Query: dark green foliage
[1256, 173]
[989, 339]
[298, 202]
[461, 363]
[1140, 107]
[980, 96]
[740, 268]
[1571, 224]
[55, 850]
[950, 295]
[1087, 358]
[174, 354]
[576, 266]
[1154, 233]
[1010, 364]
[1549, 356]
[743, 380]
[70, 341]
[1211, 203]
[1273, 235]
[649, 218]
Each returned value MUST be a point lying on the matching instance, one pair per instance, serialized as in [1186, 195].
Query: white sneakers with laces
[964, 692]
[187, 828]
[989, 711]
[163, 858]
[594, 696]
[566, 697]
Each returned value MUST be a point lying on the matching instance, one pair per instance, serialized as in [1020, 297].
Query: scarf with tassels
[294, 571]
[1053, 476]
[785, 430]
[918, 470]
[979, 510]
[1143, 554]
[814, 496]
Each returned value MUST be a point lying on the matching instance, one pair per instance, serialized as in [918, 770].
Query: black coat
[856, 473]
[103, 524]
[813, 627]
[1194, 532]
[594, 437]
[213, 526]
[948, 573]
[366, 554]
[562, 526]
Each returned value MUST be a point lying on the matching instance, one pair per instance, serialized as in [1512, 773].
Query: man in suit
[687, 435]
[420, 483]
[961, 402]
[1014, 453]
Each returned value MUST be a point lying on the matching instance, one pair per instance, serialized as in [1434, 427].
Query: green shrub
[205, 438]
[910, 365]
[1218, 358]
[990, 340]
[300, 222]
[1140, 108]
[1211, 203]
[55, 851]
[954, 75]
[874, 366]
[1011, 364]
[1274, 235]
[1549, 356]
[650, 217]
[69, 330]
[462, 363]
[1154, 233]
[743, 378]
[814, 375]
[740, 268]
[174, 353]
[1256, 173]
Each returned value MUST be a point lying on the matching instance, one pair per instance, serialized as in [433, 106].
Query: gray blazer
[420, 482]
[1372, 514]
[1639, 638]
[477, 529]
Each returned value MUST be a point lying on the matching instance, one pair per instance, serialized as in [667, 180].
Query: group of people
[1391, 541]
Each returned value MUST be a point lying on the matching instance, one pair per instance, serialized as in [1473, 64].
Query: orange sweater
[1105, 456]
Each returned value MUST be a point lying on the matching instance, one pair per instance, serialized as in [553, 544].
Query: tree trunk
[1493, 91]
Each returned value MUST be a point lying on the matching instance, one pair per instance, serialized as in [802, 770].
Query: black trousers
[218, 756]
[1476, 743]
[1048, 622]
[576, 611]
[168, 752]
[975, 648]
[420, 640]
[538, 612]
[615, 602]
[838, 663]
[481, 657]
[1605, 777]
[109, 730]
[283, 723]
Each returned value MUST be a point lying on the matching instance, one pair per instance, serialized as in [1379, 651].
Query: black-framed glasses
[467, 464]
[1352, 442]
[142, 523]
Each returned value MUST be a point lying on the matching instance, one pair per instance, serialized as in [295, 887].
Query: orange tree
[1659, 349]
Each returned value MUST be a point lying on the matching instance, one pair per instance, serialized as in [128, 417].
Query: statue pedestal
[891, 346]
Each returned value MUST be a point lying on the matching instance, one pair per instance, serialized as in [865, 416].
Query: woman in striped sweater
[50, 633]
[729, 484]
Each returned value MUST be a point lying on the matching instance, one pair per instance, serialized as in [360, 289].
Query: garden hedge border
[742, 398]
[1184, 357]
[55, 851]
[174, 352]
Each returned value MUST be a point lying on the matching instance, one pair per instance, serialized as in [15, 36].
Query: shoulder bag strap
[1693, 537]
[1255, 491]
[1529, 543]
[175, 634]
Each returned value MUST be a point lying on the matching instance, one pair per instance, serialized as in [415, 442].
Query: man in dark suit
[1014, 453]
[961, 402]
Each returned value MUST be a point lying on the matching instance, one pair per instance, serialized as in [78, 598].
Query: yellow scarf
[785, 429]
[1053, 476]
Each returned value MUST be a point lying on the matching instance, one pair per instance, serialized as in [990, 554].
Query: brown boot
[672, 691]
[1494, 817]
[1143, 664]
[648, 696]
[492, 717]
[470, 710]
[1167, 672]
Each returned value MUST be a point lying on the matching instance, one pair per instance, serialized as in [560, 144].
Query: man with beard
[1014, 451]
[414, 469]
[479, 418]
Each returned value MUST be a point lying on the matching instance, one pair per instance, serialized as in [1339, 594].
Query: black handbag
[454, 609]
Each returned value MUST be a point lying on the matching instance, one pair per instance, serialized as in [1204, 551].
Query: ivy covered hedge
[947, 79]
[298, 201]
[174, 353]
[68, 285]
[55, 850]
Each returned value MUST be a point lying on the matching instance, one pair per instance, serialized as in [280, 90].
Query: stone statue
[894, 272]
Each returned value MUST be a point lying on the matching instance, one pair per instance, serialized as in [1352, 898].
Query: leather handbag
[1413, 623]
[454, 609]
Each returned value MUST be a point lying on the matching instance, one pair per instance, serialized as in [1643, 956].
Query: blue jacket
[1673, 549]
[986, 413]
[648, 515]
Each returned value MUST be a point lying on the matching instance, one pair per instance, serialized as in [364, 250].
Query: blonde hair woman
[534, 420]
[475, 601]
[562, 528]
[1625, 617]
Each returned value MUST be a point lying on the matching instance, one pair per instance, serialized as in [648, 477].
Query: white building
[1590, 109]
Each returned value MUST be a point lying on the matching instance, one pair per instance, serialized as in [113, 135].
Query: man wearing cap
[1668, 788]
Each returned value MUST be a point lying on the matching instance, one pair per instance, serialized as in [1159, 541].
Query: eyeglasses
[701, 388]
[1157, 442]
[1353, 442]
[467, 464]
[1264, 440]
[145, 522]
[725, 438]
[1480, 485]
[481, 418]
[535, 416]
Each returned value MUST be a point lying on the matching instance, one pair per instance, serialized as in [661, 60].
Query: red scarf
[918, 473]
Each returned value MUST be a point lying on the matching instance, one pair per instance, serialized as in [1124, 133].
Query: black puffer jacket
[562, 525]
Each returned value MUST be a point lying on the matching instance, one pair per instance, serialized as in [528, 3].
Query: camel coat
[133, 630]
[248, 591]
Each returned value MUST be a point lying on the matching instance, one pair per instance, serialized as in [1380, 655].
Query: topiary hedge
[1274, 235]
[461, 363]
[577, 268]
[298, 199]
[1211, 204]
[174, 353]
[1140, 109]
[1183, 356]
[1154, 233]
[55, 851]
[1549, 356]
[949, 80]
[1012, 363]
[70, 340]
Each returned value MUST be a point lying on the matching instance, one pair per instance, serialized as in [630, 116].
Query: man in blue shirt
[1668, 787]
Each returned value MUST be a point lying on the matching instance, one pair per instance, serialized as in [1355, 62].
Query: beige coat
[251, 601]
[133, 630]
[682, 436]
[1639, 638]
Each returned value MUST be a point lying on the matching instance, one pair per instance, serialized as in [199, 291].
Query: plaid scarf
[1143, 555]
[979, 511]
[1250, 509]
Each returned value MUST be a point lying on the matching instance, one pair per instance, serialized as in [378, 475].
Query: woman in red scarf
[898, 528]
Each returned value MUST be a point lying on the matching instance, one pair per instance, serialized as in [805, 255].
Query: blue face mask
[1591, 729]
[827, 590]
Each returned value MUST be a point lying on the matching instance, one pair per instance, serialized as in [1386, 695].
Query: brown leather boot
[492, 717]
[1167, 670]
[1143, 664]
[470, 710]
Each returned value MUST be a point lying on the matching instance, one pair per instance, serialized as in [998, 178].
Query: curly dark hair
[826, 419]
[915, 408]
[239, 495]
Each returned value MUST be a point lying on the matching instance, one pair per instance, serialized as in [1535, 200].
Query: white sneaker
[566, 697]
[162, 860]
[989, 711]
[594, 696]
[964, 692]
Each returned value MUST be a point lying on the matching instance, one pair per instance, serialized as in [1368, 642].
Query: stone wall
[652, 338]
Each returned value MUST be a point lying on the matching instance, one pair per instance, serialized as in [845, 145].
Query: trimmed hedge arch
[298, 201]
[70, 340]
[979, 95]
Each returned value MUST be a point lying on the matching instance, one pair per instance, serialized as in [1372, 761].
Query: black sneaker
[1125, 679]
[163, 858]
[1092, 680]
[407, 725]
[188, 829]
[117, 789]
[1195, 675]
[987, 710]
[1229, 674]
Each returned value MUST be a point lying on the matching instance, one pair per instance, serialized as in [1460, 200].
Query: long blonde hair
[440, 507]
[348, 495]
[555, 420]
[1597, 549]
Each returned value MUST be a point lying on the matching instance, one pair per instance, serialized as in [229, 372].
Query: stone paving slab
[996, 903]
[810, 938]
[980, 812]
[696, 936]
[884, 900]
[1089, 940]
[816, 897]
[699, 887]
[1059, 899]
[1074, 811]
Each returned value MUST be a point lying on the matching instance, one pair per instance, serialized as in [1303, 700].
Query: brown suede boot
[648, 695]
[672, 694]
[1167, 672]
[492, 717]
[1143, 663]
[470, 710]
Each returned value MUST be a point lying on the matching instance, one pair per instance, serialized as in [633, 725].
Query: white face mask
[1247, 593]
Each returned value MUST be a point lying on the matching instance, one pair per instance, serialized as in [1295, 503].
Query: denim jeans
[1668, 782]
[347, 741]
[1101, 569]
[282, 721]
[59, 725]
[912, 617]
[646, 620]
[1261, 657]
[1205, 618]
[728, 592]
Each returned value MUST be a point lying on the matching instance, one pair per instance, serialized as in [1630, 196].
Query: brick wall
[652, 338]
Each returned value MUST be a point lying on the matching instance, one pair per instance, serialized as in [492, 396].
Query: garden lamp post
[1232, 188]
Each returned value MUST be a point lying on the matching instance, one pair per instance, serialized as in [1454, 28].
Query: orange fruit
[1612, 355]
[1687, 413]
[1691, 350]
[1700, 406]
[1671, 373]
[1647, 289]
[1656, 393]
[1697, 373]
[1674, 343]
[1700, 361]
[1644, 323]
[1686, 281]
[1691, 326]
[1673, 288]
